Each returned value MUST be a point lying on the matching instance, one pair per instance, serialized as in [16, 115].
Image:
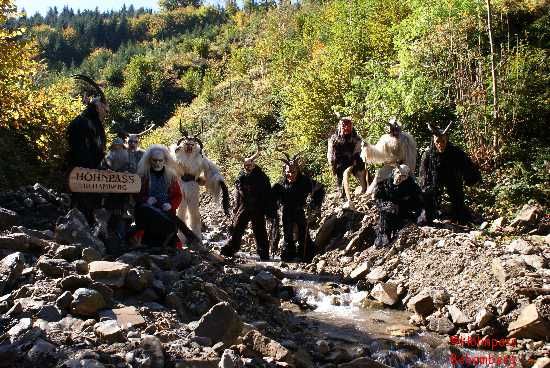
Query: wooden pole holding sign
[83, 180]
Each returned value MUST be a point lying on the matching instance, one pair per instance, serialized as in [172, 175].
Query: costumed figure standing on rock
[87, 143]
[344, 149]
[160, 195]
[195, 169]
[253, 202]
[398, 200]
[291, 193]
[392, 149]
[446, 167]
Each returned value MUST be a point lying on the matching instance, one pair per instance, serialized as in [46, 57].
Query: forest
[278, 74]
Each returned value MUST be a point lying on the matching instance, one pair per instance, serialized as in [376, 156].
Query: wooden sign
[83, 180]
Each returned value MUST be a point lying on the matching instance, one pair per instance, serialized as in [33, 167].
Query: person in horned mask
[446, 168]
[252, 204]
[135, 152]
[87, 142]
[344, 148]
[291, 194]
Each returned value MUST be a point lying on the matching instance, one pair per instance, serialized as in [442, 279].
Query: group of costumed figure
[401, 198]
[166, 210]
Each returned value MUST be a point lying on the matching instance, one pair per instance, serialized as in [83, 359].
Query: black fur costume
[87, 141]
[396, 205]
[252, 204]
[343, 154]
[448, 170]
[292, 198]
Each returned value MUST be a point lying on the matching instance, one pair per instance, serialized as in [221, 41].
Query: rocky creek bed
[65, 302]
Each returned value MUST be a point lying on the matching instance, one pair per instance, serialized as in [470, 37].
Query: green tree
[174, 4]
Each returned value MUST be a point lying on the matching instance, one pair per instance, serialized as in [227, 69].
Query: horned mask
[250, 162]
[190, 144]
[395, 128]
[438, 132]
[291, 166]
[133, 138]
[100, 100]
[345, 126]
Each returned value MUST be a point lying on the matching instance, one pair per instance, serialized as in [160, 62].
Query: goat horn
[146, 130]
[447, 128]
[92, 83]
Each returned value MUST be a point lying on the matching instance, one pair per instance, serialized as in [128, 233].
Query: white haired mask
[400, 174]
[158, 161]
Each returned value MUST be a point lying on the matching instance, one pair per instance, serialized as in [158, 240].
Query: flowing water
[338, 316]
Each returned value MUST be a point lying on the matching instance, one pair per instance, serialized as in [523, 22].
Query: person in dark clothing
[398, 200]
[446, 167]
[252, 204]
[87, 141]
[291, 193]
[344, 150]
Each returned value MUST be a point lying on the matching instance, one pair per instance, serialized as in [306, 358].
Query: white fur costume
[192, 164]
[390, 151]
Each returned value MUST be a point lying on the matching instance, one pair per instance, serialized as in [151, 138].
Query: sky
[42, 6]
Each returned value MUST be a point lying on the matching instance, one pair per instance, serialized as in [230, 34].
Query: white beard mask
[157, 161]
[400, 174]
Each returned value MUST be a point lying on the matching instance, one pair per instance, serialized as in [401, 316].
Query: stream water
[339, 317]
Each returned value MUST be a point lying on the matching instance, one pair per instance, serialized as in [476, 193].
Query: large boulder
[530, 324]
[457, 316]
[74, 229]
[109, 332]
[8, 218]
[266, 347]
[527, 216]
[422, 304]
[11, 268]
[54, 267]
[110, 273]
[126, 317]
[17, 242]
[86, 302]
[220, 323]
[385, 293]
[266, 280]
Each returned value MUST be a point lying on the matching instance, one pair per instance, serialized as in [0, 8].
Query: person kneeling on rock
[398, 199]
[158, 199]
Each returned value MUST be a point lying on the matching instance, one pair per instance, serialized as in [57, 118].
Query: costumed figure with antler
[253, 202]
[392, 149]
[195, 169]
[87, 142]
[447, 167]
[291, 194]
[344, 149]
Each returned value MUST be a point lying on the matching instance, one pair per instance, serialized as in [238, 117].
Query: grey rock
[385, 293]
[74, 229]
[23, 325]
[377, 274]
[457, 316]
[11, 268]
[68, 252]
[421, 304]
[55, 267]
[484, 317]
[8, 218]
[110, 273]
[109, 332]
[441, 325]
[152, 346]
[17, 242]
[230, 359]
[266, 280]
[86, 302]
[64, 301]
[220, 323]
[42, 353]
[49, 313]
[90, 255]
[139, 279]
[73, 282]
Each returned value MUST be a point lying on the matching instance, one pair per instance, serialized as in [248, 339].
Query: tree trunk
[493, 73]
